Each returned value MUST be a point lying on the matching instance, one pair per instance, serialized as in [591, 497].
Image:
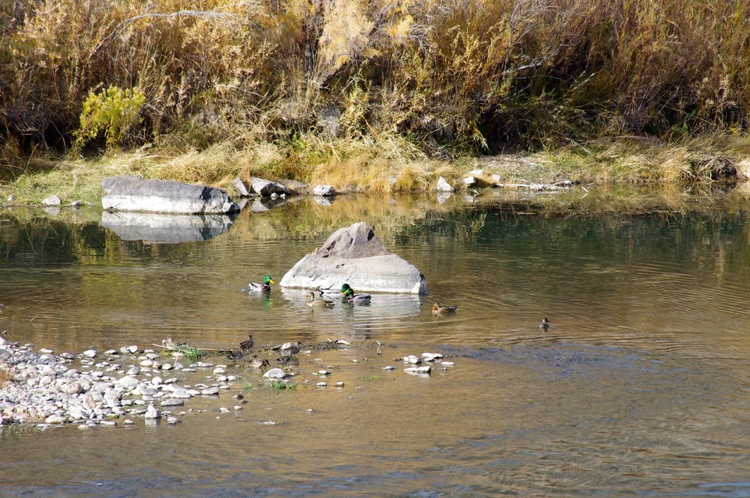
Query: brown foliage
[468, 74]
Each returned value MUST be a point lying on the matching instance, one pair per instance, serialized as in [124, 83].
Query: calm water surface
[640, 387]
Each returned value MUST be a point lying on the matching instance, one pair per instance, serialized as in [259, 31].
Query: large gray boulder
[355, 255]
[133, 193]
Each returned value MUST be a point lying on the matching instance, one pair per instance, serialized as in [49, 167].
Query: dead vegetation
[368, 91]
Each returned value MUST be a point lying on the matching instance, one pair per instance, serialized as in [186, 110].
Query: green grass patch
[280, 385]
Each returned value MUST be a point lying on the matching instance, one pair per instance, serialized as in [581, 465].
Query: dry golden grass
[402, 79]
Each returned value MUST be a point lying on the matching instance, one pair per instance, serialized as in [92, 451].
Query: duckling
[353, 298]
[247, 345]
[318, 303]
[264, 287]
[438, 310]
[545, 324]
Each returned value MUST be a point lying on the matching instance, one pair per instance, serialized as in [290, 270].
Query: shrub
[112, 112]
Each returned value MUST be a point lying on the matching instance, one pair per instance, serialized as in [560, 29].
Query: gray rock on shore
[133, 193]
[355, 255]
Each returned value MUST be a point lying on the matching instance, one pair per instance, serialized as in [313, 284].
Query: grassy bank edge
[377, 167]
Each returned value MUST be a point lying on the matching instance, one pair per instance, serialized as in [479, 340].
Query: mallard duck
[259, 363]
[318, 303]
[443, 310]
[264, 287]
[291, 348]
[247, 345]
[353, 298]
[545, 324]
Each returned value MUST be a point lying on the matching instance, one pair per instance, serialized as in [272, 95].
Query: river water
[641, 386]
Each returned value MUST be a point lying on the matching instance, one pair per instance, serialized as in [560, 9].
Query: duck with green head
[264, 287]
[352, 298]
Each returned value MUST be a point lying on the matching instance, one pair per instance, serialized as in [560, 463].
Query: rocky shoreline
[43, 389]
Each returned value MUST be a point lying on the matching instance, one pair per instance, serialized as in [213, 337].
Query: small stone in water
[210, 391]
[322, 384]
[152, 412]
[132, 349]
[173, 420]
[127, 421]
[388, 368]
[45, 351]
[339, 384]
[90, 353]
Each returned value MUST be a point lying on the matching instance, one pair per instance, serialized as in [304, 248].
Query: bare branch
[211, 15]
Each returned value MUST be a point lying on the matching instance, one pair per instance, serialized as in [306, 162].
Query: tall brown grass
[444, 75]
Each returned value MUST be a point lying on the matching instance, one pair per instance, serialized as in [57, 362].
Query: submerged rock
[355, 255]
[133, 193]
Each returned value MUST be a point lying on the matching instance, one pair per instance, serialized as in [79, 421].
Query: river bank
[630, 160]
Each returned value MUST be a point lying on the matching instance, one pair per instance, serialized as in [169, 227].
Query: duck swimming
[318, 303]
[438, 310]
[545, 324]
[264, 287]
[353, 298]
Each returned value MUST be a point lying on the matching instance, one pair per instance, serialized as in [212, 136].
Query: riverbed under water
[641, 386]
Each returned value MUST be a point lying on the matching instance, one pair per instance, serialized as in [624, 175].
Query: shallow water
[641, 385]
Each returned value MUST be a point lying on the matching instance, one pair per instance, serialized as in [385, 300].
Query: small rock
[55, 419]
[152, 412]
[210, 391]
[241, 187]
[388, 368]
[127, 421]
[339, 384]
[443, 186]
[173, 420]
[324, 191]
[90, 353]
[431, 356]
[128, 382]
[52, 200]
[172, 402]
[322, 384]
[275, 373]
[132, 349]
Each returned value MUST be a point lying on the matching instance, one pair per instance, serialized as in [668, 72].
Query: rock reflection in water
[166, 228]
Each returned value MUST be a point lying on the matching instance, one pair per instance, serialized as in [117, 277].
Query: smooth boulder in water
[354, 255]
